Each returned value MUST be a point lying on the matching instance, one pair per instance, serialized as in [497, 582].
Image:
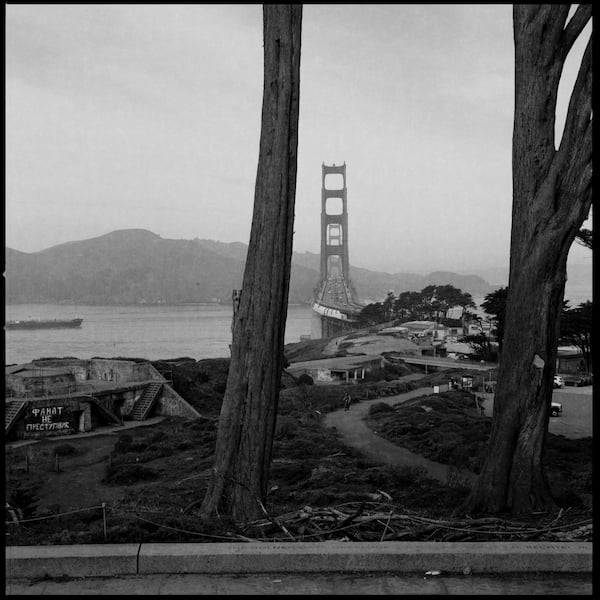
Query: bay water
[152, 332]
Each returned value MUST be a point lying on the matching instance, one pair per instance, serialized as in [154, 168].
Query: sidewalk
[302, 568]
[347, 584]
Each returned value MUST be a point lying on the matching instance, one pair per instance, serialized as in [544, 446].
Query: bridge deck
[336, 294]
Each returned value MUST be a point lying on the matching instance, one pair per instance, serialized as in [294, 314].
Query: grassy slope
[157, 472]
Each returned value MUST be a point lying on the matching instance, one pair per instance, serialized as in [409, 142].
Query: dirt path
[355, 432]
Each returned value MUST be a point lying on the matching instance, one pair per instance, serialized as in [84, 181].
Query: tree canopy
[575, 323]
[576, 329]
[433, 302]
[494, 304]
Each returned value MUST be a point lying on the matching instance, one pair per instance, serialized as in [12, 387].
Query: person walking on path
[347, 400]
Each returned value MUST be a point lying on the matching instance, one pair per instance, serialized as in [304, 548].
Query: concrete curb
[29, 562]
[86, 560]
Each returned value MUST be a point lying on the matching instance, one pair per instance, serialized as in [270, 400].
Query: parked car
[555, 409]
[558, 381]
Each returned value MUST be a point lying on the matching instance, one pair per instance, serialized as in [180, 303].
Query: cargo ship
[44, 324]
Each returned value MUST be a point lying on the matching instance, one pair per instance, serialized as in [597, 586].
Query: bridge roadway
[335, 292]
[446, 363]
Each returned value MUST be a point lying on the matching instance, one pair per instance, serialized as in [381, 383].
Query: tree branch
[575, 176]
[576, 25]
[579, 112]
[580, 173]
[580, 104]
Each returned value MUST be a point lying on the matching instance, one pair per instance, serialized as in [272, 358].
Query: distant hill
[579, 286]
[134, 266]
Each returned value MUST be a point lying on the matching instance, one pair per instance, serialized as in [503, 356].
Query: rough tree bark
[551, 198]
[248, 414]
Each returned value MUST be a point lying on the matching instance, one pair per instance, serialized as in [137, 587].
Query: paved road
[576, 420]
[311, 583]
[448, 363]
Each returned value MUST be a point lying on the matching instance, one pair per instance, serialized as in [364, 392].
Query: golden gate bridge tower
[336, 305]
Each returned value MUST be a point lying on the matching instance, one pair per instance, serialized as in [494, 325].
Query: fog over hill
[578, 289]
[135, 266]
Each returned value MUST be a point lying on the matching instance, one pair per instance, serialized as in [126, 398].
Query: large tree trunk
[247, 421]
[551, 199]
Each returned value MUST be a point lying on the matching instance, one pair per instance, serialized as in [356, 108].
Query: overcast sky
[148, 116]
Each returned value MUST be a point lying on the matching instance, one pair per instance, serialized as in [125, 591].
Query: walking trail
[355, 432]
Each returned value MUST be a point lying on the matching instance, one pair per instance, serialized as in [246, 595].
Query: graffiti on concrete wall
[48, 419]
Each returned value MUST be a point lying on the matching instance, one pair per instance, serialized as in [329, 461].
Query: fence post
[56, 463]
[104, 518]
[27, 462]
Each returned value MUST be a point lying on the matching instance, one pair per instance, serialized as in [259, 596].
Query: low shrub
[126, 444]
[380, 407]
[123, 443]
[65, 450]
[201, 383]
[289, 472]
[442, 427]
[328, 496]
[305, 379]
[24, 497]
[129, 474]
[157, 436]
[286, 428]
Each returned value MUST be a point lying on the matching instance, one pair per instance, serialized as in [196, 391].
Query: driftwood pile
[382, 521]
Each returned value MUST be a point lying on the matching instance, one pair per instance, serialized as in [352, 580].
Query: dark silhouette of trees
[576, 330]
[448, 296]
[584, 237]
[372, 314]
[239, 479]
[432, 302]
[575, 323]
[494, 304]
[388, 307]
[408, 304]
[482, 346]
[552, 195]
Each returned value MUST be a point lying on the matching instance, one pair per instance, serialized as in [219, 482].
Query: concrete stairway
[142, 407]
[12, 410]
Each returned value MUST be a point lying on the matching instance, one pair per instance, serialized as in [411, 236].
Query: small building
[64, 396]
[439, 332]
[419, 328]
[458, 349]
[343, 368]
[394, 330]
[453, 333]
[33, 380]
[569, 360]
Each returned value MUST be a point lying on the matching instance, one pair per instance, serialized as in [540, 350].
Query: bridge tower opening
[336, 301]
